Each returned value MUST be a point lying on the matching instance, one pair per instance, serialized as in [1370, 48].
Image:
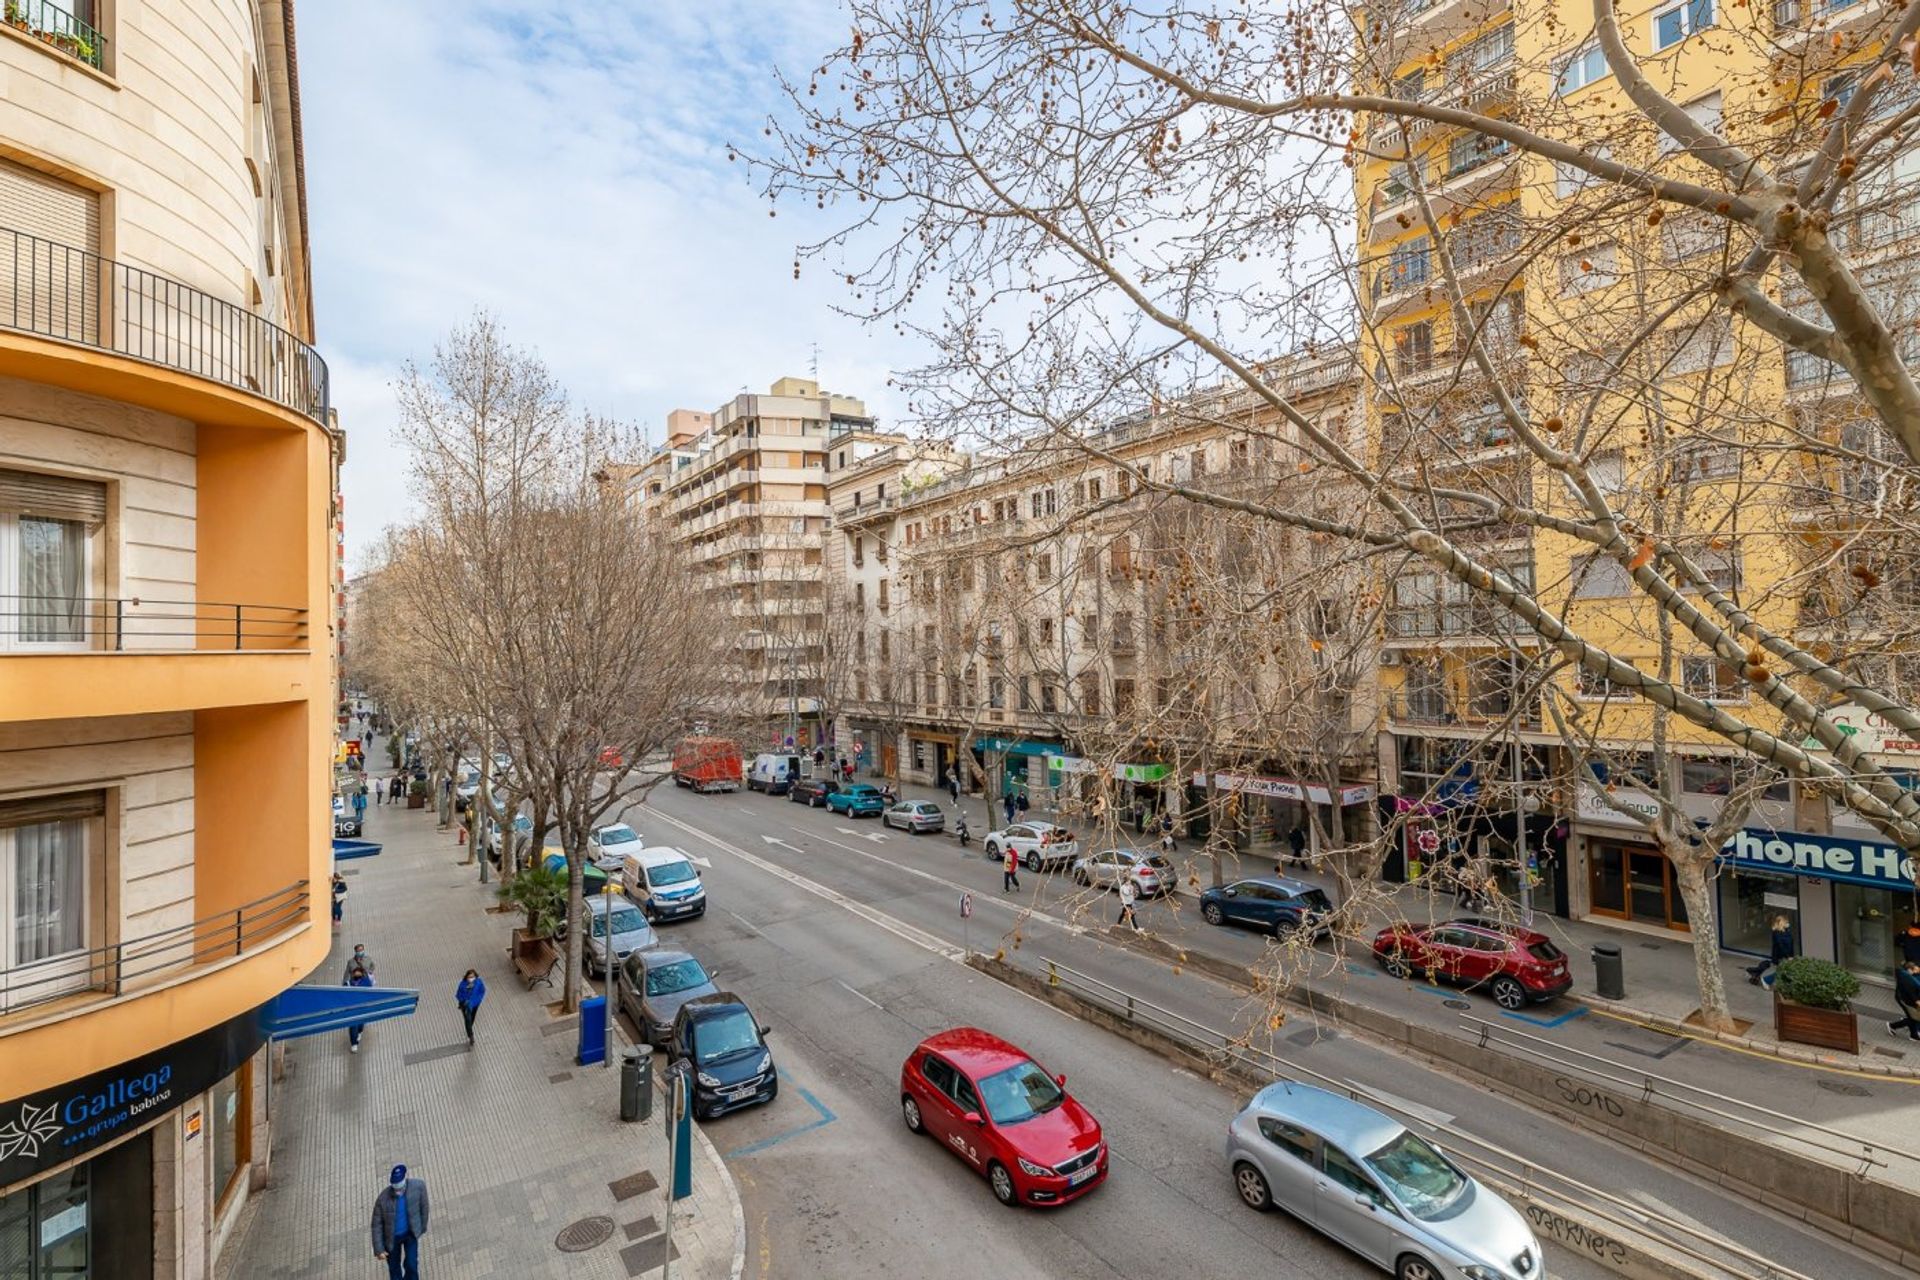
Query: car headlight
[766, 1063]
[1033, 1170]
[1477, 1272]
[711, 1082]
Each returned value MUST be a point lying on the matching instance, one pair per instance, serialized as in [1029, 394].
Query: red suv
[1517, 966]
[997, 1110]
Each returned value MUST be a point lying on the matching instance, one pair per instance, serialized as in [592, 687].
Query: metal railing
[56, 291]
[59, 28]
[1437, 707]
[113, 970]
[136, 624]
[1512, 1173]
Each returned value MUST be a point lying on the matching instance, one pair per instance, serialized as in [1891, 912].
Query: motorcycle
[960, 829]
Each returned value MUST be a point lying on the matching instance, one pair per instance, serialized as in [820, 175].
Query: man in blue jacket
[1906, 991]
[399, 1220]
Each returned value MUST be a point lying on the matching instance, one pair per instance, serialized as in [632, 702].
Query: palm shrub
[541, 892]
[1821, 984]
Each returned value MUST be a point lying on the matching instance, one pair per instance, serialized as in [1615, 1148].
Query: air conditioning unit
[1389, 657]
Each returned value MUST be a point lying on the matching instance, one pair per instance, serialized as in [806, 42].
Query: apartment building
[745, 498]
[1017, 622]
[168, 534]
[1699, 418]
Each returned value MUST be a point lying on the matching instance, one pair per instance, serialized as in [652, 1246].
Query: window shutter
[57, 808]
[48, 208]
[29, 493]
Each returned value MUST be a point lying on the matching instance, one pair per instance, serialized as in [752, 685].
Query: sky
[564, 167]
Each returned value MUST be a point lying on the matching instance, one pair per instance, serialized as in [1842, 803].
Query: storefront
[1263, 812]
[1851, 896]
[1135, 792]
[1016, 766]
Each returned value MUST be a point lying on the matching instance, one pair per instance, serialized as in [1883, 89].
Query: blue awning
[309, 1011]
[344, 849]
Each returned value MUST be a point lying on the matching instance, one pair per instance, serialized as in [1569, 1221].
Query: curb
[1771, 1048]
[733, 1200]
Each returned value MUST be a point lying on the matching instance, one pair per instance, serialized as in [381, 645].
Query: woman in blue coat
[469, 995]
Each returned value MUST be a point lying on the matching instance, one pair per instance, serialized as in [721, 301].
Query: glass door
[44, 1229]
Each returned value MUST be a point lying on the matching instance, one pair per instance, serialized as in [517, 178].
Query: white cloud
[564, 167]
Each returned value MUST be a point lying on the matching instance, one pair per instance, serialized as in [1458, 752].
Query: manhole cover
[1841, 1086]
[1458, 1004]
[584, 1235]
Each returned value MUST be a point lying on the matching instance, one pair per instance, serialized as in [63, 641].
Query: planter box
[416, 802]
[1822, 1028]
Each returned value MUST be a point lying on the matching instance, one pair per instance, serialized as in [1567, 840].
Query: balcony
[66, 295]
[1467, 180]
[1456, 620]
[1444, 708]
[1420, 27]
[1797, 22]
[58, 29]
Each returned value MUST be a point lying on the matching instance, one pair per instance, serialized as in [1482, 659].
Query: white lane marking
[863, 995]
[747, 924]
[1412, 1108]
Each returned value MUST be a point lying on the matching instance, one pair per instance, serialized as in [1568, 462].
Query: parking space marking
[1359, 971]
[863, 995]
[1433, 991]
[1569, 1016]
[826, 1117]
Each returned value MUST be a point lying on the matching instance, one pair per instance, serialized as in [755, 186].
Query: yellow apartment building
[168, 541]
[1588, 303]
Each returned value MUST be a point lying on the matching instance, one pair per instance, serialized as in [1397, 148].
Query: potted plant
[17, 15]
[1812, 1004]
[417, 793]
[541, 892]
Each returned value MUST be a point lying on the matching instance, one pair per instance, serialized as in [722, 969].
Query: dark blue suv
[1279, 905]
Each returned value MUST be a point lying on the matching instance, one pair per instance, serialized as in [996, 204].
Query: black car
[717, 1039]
[812, 792]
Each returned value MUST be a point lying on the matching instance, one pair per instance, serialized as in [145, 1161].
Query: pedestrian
[1128, 895]
[399, 1220]
[1020, 803]
[339, 892]
[360, 960]
[397, 789]
[471, 992]
[1910, 941]
[379, 790]
[1006, 802]
[1782, 949]
[1297, 841]
[360, 804]
[1166, 834]
[1010, 871]
[953, 784]
[357, 976]
[1906, 993]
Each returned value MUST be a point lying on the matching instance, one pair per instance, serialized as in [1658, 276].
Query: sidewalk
[518, 1146]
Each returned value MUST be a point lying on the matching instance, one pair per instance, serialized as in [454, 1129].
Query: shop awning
[344, 849]
[310, 1010]
[1121, 772]
[1020, 746]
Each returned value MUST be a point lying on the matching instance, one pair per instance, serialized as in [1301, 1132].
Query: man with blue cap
[399, 1220]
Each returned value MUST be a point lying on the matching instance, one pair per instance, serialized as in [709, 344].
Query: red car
[1517, 966]
[993, 1106]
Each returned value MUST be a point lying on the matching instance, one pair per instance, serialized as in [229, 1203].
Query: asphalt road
[836, 936]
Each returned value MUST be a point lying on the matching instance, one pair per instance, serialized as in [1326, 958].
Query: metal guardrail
[1514, 1173]
[136, 623]
[1651, 1087]
[111, 970]
[54, 290]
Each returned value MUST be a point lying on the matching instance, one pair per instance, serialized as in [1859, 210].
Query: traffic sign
[966, 905]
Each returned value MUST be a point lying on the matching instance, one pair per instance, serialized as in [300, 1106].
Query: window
[1592, 269]
[1123, 632]
[1408, 265]
[1413, 348]
[1123, 696]
[997, 692]
[46, 887]
[1090, 694]
[1024, 688]
[882, 601]
[1484, 54]
[1198, 465]
[1049, 699]
[1093, 489]
[1671, 26]
[886, 638]
[1485, 240]
[1045, 630]
[1043, 568]
[1293, 1140]
[1342, 1169]
[1599, 577]
[1589, 685]
[859, 595]
[938, 1074]
[1120, 556]
[1090, 630]
[1581, 70]
[1705, 460]
[1471, 150]
[1705, 112]
[46, 533]
[1720, 564]
[1701, 346]
[1712, 680]
[230, 1130]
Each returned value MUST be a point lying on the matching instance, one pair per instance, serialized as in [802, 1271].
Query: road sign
[966, 905]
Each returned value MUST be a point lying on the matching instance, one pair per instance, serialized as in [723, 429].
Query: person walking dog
[399, 1220]
[471, 992]
[1010, 870]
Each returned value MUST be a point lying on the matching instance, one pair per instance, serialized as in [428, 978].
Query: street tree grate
[588, 1233]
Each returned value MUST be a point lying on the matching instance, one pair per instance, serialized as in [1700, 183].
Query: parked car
[344, 823]
[1151, 873]
[466, 785]
[859, 800]
[1280, 905]
[1039, 844]
[629, 932]
[656, 983]
[1517, 966]
[707, 764]
[993, 1106]
[915, 816]
[718, 1038]
[1363, 1178]
[665, 883]
[522, 832]
[772, 773]
[609, 846]
[812, 792]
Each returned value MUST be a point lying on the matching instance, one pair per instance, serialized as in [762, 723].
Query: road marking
[749, 925]
[1433, 991]
[1412, 1108]
[863, 995]
[826, 1118]
[1569, 1016]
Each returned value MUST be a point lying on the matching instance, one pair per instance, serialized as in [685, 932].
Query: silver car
[1377, 1187]
[915, 816]
[630, 931]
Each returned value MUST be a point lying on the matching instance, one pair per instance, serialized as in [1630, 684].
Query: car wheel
[1033, 860]
[910, 1112]
[1212, 914]
[1509, 994]
[1002, 1183]
[1396, 964]
[1284, 929]
[1081, 878]
[992, 852]
[1252, 1187]
[1414, 1267]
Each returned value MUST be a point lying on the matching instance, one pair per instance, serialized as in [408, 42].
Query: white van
[665, 884]
[771, 773]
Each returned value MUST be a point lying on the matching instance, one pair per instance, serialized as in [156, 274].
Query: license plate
[1081, 1175]
[735, 1095]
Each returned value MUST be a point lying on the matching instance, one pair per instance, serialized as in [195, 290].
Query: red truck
[707, 764]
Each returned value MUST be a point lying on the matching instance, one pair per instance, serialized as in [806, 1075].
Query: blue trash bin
[593, 1031]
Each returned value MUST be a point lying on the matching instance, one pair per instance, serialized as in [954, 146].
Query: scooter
[960, 829]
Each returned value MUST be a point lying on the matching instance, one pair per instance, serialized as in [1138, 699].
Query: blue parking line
[1433, 991]
[1547, 1022]
[826, 1118]
[1360, 971]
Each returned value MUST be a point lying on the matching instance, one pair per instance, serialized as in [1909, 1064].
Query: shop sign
[1121, 772]
[1284, 788]
[1868, 862]
[1870, 732]
[49, 1128]
[1591, 806]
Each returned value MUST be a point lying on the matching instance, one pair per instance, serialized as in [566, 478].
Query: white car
[1152, 874]
[1040, 845]
[608, 846]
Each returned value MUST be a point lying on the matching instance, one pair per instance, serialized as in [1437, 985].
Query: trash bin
[1609, 979]
[636, 1083]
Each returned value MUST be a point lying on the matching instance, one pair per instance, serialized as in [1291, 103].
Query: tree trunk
[578, 924]
[1691, 875]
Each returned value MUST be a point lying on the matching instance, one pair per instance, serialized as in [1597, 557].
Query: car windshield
[625, 920]
[1019, 1093]
[523, 823]
[861, 789]
[618, 835]
[1420, 1178]
[723, 1036]
[670, 873]
[678, 976]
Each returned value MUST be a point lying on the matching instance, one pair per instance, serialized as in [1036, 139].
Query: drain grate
[585, 1234]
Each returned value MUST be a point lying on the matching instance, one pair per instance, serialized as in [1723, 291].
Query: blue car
[858, 801]
[1279, 905]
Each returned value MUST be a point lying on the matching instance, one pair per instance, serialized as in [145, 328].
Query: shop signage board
[1591, 806]
[1121, 772]
[1284, 788]
[1868, 862]
[1871, 733]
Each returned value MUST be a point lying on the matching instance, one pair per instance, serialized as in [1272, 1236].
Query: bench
[535, 959]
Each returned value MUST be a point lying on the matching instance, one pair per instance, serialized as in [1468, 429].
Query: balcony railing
[1429, 706]
[56, 291]
[132, 963]
[38, 623]
[55, 26]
